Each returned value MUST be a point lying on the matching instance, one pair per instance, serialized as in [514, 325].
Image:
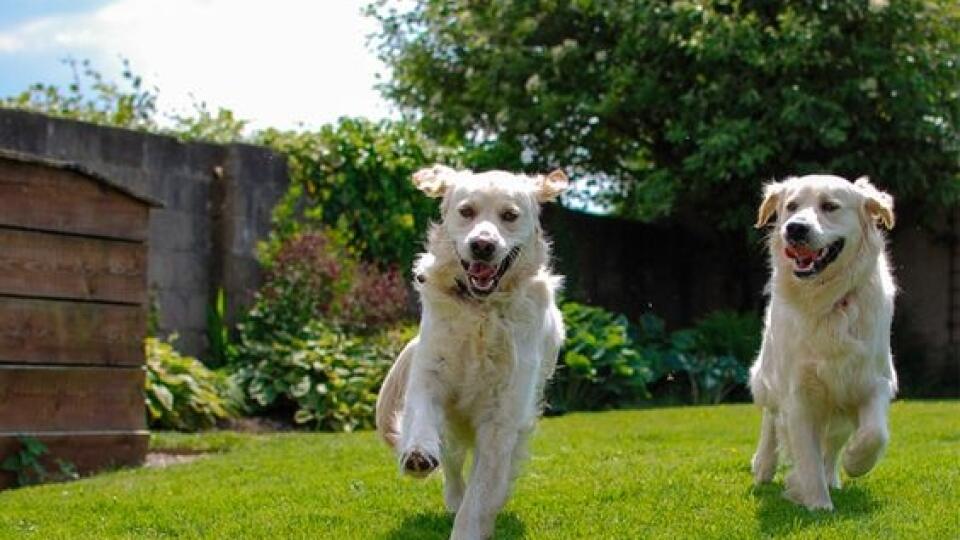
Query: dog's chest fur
[478, 363]
[836, 351]
[484, 350]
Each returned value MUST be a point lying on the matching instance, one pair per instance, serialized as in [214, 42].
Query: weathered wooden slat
[37, 197]
[88, 452]
[59, 266]
[71, 399]
[60, 332]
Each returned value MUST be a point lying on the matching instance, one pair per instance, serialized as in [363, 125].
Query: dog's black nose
[482, 249]
[797, 231]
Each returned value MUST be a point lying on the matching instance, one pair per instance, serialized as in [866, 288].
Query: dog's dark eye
[467, 212]
[509, 215]
[791, 206]
[829, 206]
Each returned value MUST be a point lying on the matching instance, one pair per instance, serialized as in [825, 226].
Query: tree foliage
[689, 104]
[126, 103]
[90, 97]
[354, 176]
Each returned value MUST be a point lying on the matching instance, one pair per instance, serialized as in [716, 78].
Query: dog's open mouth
[809, 262]
[483, 277]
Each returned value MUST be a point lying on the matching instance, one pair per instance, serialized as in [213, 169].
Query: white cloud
[277, 63]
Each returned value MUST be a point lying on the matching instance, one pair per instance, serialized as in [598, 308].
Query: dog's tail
[390, 399]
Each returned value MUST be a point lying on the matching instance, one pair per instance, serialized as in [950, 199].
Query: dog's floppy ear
[879, 204]
[771, 199]
[550, 187]
[435, 180]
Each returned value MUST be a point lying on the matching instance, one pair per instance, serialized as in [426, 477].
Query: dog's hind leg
[391, 396]
[764, 464]
[871, 437]
[836, 433]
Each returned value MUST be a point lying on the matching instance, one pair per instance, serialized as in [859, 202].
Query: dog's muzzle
[810, 262]
[482, 277]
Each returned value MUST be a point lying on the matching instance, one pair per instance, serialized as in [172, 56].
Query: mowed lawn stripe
[657, 473]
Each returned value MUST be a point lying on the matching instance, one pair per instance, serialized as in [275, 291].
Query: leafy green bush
[713, 356]
[327, 377]
[607, 362]
[600, 365]
[354, 176]
[377, 298]
[729, 333]
[30, 464]
[313, 275]
[303, 281]
[317, 342]
[181, 393]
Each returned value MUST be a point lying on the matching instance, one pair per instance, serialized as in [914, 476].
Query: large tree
[687, 106]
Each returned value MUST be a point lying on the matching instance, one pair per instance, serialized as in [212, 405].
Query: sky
[278, 63]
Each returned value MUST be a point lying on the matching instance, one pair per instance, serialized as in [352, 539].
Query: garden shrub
[321, 334]
[33, 464]
[600, 365]
[712, 357]
[303, 281]
[376, 298]
[729, 333]
[181, 393]
[354, 176]
[313, 275]
[328, 378]
[607, 362]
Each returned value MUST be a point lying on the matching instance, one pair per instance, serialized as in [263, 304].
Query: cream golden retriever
[489, 336]
[824, 376]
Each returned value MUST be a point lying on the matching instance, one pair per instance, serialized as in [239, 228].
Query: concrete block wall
[218, 200]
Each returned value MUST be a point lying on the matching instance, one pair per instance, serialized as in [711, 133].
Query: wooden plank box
[73, 300]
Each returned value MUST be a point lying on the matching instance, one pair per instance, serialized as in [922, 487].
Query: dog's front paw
[811, 498]
[418, 463]
[764, 468]
[810, 503]
[472, 528]
[833, 480]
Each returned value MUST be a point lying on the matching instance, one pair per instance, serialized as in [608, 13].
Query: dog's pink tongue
[800, 252]
[481, 270]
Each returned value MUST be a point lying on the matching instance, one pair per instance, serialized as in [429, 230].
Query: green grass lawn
[663, 473]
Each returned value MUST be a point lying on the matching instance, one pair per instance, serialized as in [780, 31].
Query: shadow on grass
[777, 516]
[437, 526]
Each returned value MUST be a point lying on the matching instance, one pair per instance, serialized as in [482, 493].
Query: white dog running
[825, 370]
[489, 337]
